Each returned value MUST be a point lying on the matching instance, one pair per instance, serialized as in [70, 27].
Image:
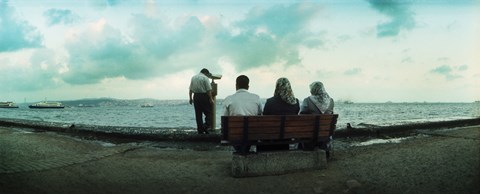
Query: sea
[179, 114]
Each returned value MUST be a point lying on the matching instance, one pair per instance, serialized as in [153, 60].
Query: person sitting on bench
[242, 103]
[283, 102]
[318, 103]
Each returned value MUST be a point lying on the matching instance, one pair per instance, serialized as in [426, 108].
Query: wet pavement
[52, 162]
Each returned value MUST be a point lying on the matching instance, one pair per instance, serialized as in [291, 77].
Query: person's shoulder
[272, 99]
[229, 97]
[255, 95]
[246, 92]
[204, 77]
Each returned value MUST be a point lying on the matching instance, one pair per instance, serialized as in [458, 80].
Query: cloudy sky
[362, 50]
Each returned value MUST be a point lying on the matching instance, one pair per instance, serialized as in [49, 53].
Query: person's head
[283, 89]
[317, 88]
[242, 82]
[205, 72]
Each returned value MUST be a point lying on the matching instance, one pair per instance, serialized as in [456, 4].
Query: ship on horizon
[8, 104]
[46, 104]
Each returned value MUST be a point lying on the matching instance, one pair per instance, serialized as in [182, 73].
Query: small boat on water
[147, 105]
[8, 105]
[46, 104]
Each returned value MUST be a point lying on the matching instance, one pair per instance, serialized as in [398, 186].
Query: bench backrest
[243, 129]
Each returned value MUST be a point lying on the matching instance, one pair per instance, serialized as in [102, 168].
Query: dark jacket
[276, 106]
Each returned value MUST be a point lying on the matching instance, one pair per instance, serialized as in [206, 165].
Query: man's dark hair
[205, 71]
[242, 82]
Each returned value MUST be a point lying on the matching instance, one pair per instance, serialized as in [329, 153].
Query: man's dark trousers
[202, 105]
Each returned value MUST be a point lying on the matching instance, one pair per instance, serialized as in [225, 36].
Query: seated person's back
[277, 106]
[283, 102]
[319, 102]
[242, 103]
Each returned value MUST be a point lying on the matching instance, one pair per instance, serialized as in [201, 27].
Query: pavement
[438, 161]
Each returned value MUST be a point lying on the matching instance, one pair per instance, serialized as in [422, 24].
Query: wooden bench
[244, 131]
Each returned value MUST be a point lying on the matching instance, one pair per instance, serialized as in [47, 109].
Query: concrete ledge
[276, 163]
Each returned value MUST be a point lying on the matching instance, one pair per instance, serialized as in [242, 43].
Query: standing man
[202, 100]
[242, 103]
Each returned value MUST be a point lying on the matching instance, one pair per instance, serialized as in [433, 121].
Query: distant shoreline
[105, 101]
[190, 134]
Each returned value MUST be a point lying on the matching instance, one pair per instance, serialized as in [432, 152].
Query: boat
[147, 105]
[8, 105]
[46, 104]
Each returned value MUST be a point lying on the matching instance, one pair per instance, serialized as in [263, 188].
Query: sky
[362, 50]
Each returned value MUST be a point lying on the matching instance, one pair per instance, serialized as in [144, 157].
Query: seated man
[242, 103]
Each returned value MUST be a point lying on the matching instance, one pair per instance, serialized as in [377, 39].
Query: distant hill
[109, 102]
[96, 102]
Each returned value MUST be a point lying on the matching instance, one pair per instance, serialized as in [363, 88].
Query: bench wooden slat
[274, 136]
[269, 136]
[277, 128]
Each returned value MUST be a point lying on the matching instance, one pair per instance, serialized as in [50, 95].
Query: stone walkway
[436, 161]
[24, 151]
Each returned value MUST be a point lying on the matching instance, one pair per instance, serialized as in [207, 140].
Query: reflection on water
[380, 141]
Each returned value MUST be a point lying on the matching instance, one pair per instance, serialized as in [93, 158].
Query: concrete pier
[276, 163]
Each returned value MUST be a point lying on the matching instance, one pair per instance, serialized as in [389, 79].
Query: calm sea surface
[178, 114]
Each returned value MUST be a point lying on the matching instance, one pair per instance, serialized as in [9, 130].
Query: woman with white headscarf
[319, 102]
[283, 101]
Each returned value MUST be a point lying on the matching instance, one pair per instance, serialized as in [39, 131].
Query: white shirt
[200, 84]
[242, 103]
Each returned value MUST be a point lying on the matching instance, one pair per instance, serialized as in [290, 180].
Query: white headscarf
[284, 90]
[319, 96]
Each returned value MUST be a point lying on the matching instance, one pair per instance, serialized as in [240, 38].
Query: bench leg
[306, 146]
[242, 149]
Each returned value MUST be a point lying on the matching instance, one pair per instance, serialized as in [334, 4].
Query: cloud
[41, 72]
[16, 34]
[354, 71]
[399, 14]
[60, 16]
[407, 60]
[155, 47]
[462, 67]
[273, 35]
[449, 72]
[102, 4]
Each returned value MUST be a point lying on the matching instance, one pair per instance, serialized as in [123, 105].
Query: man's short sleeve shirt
[200, 84]
[242, 103]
